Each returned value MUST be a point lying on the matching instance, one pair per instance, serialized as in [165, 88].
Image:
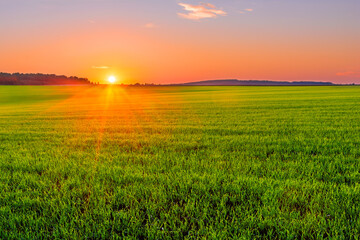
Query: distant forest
[235, 82]
[40, 79]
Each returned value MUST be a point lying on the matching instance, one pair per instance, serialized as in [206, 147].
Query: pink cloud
[150, 25]
[100, 67]
[246, 10]
[349, 74]
[204, 10]
[209, 5]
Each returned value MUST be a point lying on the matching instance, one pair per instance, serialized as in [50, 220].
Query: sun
[112, 79]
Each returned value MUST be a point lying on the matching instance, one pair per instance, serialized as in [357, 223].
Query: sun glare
[112, 79]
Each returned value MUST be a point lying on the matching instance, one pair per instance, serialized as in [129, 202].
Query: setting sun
[112, 79]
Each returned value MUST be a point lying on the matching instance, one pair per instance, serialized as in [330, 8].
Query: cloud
[246, 10]
[150, 25]
[209, 5]
[349, 74]
[197, 12]
[100, 67]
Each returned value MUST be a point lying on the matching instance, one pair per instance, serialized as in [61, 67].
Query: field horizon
[107, 162]
[40, 79]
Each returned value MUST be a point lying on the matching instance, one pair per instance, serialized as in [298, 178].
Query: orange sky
[181, 41]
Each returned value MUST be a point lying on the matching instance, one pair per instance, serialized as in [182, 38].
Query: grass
[179, 162]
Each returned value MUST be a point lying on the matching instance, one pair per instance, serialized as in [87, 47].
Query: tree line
[40, 79]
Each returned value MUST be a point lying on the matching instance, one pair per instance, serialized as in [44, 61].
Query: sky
[175, 41]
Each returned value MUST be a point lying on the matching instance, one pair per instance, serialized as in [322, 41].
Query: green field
[179, 162]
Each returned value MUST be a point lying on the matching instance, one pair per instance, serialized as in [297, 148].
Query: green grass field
[179, 162]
